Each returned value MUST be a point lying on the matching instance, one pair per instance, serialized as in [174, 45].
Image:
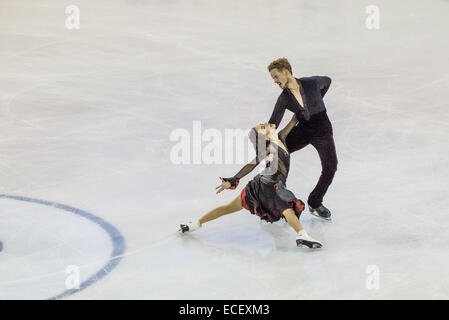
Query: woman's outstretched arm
[233, 182]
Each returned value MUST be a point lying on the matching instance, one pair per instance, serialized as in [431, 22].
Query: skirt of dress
[268, 201]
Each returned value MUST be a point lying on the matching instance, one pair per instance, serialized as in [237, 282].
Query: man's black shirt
[313, 113]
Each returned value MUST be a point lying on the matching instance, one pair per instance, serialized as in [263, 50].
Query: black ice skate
[321, 212]
[1, 246]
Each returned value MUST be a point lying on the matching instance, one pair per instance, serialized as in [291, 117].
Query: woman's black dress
[266, 195]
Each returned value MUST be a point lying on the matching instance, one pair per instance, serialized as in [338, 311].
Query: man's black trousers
[317, 132]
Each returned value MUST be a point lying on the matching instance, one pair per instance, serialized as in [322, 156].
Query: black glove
[233, 181]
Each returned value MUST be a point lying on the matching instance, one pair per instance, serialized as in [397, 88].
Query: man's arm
[323, 83]
[278, 112]
[284, 132]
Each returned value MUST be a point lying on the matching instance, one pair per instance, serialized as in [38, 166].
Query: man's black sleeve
[278, 112]
[323, 84]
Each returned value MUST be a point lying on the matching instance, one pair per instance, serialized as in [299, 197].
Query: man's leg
[297, 139]
[328, 156]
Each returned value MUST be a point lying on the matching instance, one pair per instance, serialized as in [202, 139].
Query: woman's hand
[223, 185]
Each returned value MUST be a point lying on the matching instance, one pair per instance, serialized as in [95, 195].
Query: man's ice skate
[304, 239]
[321, 212]
[190, 226]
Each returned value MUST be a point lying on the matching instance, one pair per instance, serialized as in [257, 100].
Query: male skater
[304, 97]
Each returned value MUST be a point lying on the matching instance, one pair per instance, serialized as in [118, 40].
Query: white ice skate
[190, 226]
[304, 239]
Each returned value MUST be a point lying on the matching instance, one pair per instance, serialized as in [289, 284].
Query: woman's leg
[303, 238]
[292, 219]
[233, 206]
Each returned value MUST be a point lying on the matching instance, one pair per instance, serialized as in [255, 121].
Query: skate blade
[318, 216]
[310, 244]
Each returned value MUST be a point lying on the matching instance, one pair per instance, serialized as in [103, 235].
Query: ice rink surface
[85, 121]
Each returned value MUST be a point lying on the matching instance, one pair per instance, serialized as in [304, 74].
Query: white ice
[85, 120]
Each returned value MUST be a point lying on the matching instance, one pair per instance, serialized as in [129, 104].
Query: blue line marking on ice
[118, 241]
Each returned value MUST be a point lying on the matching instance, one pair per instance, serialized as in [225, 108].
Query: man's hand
[224, 185]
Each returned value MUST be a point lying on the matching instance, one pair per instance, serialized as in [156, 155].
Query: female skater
[266, 194]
